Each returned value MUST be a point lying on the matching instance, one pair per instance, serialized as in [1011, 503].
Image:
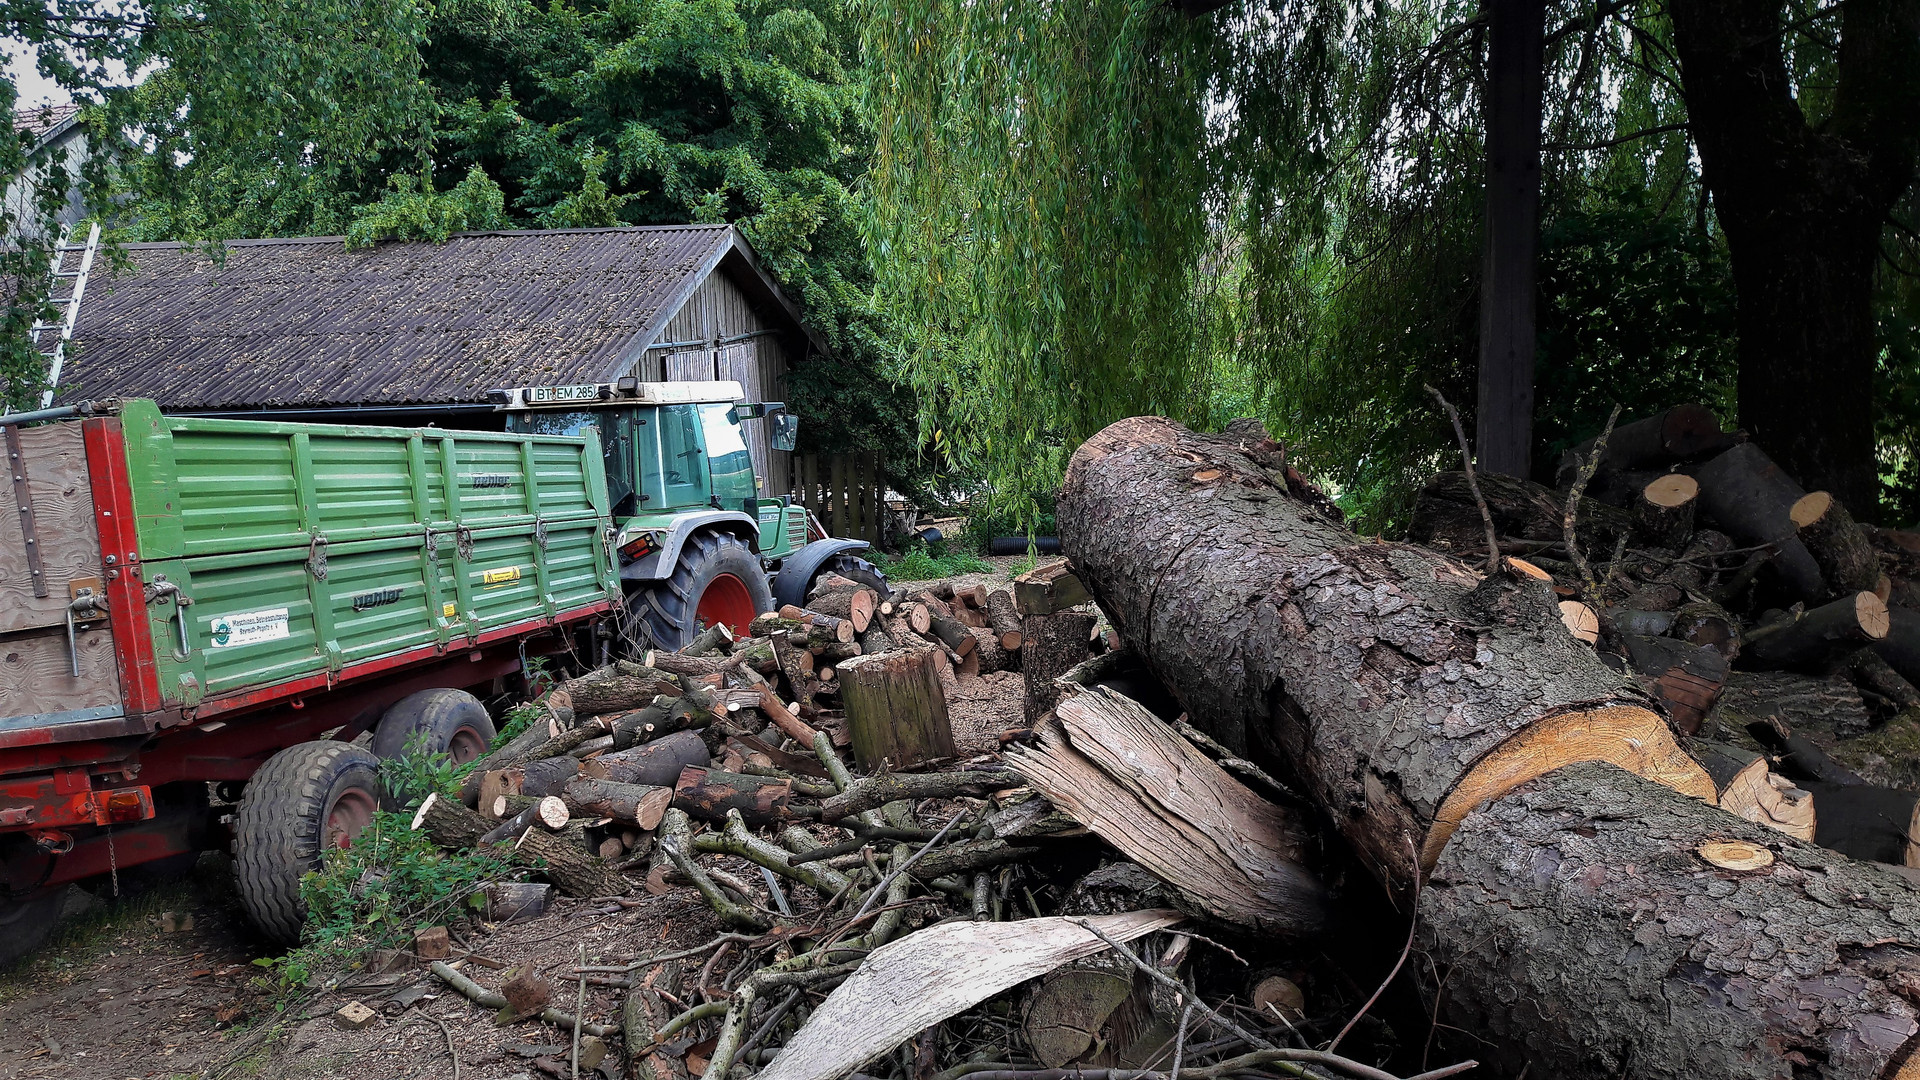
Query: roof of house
[301, 323]
[44, 122]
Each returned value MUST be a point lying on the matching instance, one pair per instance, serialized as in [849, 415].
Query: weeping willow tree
[1095, 209]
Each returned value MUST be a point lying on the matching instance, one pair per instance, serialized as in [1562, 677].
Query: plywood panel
[56, 469]
[36, 672]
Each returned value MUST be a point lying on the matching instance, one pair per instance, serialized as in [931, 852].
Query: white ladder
[57, 356]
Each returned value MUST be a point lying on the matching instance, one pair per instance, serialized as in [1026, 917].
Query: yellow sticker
[501, 576]
[447, 610]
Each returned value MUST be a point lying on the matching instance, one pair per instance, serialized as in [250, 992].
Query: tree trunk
[1589, 936]
[1005, 619]
[449, 824]
[618, 693]
[1504, 417]
[575, 871]
[1838, 544]
[896, 711]
[1803, 207]
[1823, 634]
[1405, 688]
[1052, 645]
[1752, 498]
[1663, 510]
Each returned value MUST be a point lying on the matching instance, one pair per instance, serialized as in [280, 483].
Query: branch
[1627, 138]
[1572, 512]
[1473, 485]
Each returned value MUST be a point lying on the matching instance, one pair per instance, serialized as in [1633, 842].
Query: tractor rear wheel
[718, 579]
[26, 924]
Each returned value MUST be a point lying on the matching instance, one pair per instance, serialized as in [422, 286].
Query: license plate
[544, 395]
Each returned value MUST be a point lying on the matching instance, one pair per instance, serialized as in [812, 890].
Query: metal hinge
[317, 557]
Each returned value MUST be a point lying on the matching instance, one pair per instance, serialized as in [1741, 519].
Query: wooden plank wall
[844, 491]
[717, 311]
[56, 463]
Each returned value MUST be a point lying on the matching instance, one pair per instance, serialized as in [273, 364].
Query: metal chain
[113, 863]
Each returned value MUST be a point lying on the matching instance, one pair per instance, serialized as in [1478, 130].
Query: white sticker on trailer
[249, 628]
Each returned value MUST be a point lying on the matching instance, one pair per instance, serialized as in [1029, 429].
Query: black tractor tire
[282, 827]
[454, 722]
[25, 925]
[664, 611]
[854, 568]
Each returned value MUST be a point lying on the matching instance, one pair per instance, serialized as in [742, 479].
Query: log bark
[1050, 588]
[1901, 646]
[1824, 634]
[1667, 437]
[1803, 701]
[618, 693]
[714, 640]
[1446, 517]
[1752, 500]
[854, 603]
[548, 775]
[1686, 677]
[1004, 619]
[954, 633]
[449, 824]
[654, 764]
[1873, 675]
[755, 653]
[1837, 543]
[1405, 689]
[505, 757]
[987, 655]
[1052, 645]
[896, 710]
[548, 811]
[1589, 936]
[707, 795]
[573, 870]
[639, 805]
[1663, 512]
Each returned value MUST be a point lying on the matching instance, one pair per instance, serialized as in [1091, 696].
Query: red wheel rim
[466, 745]
[350, 813]
[726, 600]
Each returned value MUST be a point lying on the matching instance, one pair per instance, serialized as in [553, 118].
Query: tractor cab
[685, 492]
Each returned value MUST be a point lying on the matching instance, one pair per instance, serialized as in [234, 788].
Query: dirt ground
[164, 982]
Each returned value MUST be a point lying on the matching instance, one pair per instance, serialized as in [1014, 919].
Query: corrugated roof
[306, 322]
[41, 119]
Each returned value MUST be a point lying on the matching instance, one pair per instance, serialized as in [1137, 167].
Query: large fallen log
[1580, 926]
[1405, 689]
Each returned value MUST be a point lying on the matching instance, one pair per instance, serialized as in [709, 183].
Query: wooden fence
[844, 491]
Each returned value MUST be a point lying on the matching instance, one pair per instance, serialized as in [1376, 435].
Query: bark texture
[1383, 672]
[1592, 940]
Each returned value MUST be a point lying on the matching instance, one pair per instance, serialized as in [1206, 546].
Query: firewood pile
[1763, 617]
[880, 902]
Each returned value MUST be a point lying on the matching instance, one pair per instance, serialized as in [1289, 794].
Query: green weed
[921, 563]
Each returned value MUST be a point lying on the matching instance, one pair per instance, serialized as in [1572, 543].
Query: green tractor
[698, 543]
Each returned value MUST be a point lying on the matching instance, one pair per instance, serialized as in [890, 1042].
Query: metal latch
[84, 606]
[159, 590]
[317, 557]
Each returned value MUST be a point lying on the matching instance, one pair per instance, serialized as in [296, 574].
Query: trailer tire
[855, 569]
[25, 925]
[669, 610]
[305, 798]
[455, 723]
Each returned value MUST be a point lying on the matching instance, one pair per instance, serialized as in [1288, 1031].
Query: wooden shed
[417, 333]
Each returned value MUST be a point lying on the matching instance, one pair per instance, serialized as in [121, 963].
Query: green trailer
[187, 601]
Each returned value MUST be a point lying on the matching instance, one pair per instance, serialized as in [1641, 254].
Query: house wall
[21, 193]
[718, 334]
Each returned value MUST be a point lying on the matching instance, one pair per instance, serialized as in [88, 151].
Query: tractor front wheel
[717, 580]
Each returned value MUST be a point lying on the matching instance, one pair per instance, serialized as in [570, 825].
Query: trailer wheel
[718, 579]
[855, 569]
[455, 722]
[308, 798]
[25, 925]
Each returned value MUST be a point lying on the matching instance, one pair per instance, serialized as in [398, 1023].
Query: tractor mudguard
[790, 584]
[660, 564]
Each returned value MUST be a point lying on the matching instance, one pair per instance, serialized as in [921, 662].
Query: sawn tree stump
[896, 711]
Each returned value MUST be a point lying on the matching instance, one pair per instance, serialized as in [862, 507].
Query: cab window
[616, 442]
[681, 456]
[728, 460]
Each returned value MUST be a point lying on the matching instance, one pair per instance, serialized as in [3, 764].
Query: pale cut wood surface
[911, 984]
[1128, 776]
[63, 516]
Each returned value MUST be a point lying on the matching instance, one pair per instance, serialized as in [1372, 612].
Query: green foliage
[390, 882]
[419, 772]
[518, 720]
[922, 562]
[415, 211]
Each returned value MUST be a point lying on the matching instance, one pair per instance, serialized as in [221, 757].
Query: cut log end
[1810, 508]
[1672, 490]
[1874, 617]
[1735, 854]
[1523, 568]
[1580, 621]
[1632, 738]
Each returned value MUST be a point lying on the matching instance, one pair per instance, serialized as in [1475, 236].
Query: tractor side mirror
[783, 430]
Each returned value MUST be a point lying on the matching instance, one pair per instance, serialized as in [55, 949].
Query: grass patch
[923, 563]
[107, 923]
